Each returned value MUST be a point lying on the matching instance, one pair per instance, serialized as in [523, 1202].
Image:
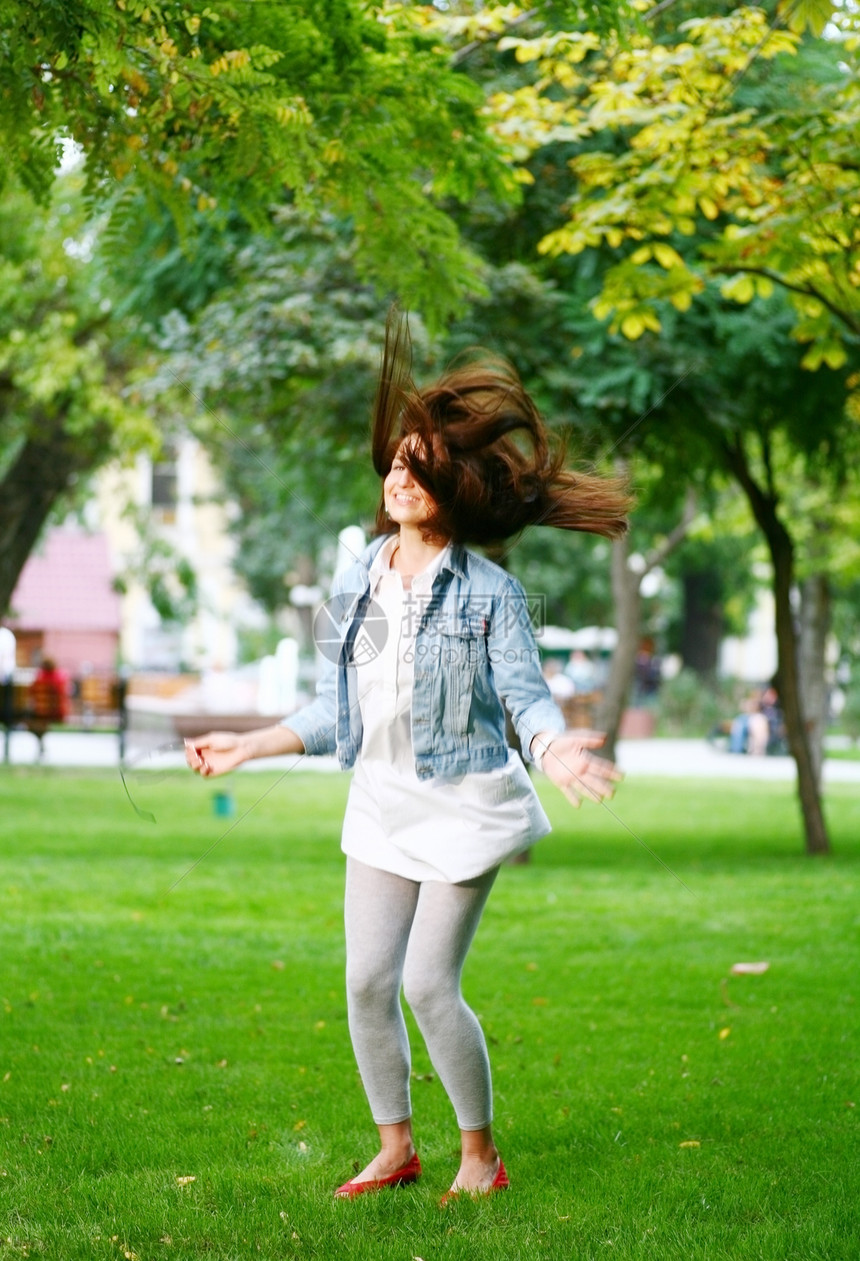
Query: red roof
[66, 585]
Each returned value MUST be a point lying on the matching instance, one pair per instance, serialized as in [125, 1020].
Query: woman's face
[406, 502]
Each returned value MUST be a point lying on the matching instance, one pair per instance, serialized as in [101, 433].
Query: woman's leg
[379, 909]
[445, 922]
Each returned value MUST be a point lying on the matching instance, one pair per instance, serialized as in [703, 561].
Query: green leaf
[806, 14]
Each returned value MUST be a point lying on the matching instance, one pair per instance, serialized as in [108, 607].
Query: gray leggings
[415, 935]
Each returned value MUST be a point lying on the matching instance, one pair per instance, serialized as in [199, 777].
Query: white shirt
[447, 829]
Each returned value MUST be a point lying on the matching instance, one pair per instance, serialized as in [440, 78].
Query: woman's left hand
[577, 772]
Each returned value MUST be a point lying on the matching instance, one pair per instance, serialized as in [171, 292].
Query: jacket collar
[455, 561]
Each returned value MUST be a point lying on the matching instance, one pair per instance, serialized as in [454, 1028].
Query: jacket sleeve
[515, 662]
[316, 723]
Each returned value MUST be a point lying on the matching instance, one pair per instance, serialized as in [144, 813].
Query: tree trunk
[764, 507]
[627, 600]
[46, 467]
[814, 629]
[703, 623]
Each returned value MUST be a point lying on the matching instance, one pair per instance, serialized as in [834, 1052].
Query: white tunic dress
[448, 829]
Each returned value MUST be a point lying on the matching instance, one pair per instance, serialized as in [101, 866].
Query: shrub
[689, 705]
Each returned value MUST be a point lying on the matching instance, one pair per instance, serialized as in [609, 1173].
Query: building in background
[65, 607]
[753, 656]
[84, 596]
[176, 504]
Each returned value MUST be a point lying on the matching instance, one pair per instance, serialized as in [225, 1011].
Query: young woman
[433, 641]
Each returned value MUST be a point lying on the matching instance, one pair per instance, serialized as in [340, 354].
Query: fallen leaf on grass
[724, 1033]
[749, 969]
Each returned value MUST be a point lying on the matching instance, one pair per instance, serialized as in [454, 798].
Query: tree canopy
[62, 404]
[234, 106]
[690, 159]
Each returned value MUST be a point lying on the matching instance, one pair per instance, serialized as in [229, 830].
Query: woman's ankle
[396, 1142]
[478, 1145]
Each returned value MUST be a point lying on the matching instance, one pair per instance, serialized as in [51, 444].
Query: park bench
[579, 710]
[96, 703]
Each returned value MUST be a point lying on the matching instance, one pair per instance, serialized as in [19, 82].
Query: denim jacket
[474, 647]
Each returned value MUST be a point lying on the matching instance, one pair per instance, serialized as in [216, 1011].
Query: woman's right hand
[215, 753]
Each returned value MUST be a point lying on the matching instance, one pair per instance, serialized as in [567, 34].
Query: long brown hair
[485, 485]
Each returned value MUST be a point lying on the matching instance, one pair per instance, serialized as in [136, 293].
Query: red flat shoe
[500, 1183]
[410, 1172]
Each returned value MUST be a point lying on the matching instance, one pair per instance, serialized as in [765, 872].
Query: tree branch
[466, 51]
[658, 9]
[767, 460]
[675, 536]
[807, 291]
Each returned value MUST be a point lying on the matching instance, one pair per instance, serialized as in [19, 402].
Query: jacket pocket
[460, 648]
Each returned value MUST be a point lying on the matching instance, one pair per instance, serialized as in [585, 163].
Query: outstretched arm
[220, 751]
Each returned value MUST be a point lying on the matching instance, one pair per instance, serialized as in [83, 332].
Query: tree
[714, 573]
[62, 408]
[686, 138]
[276, 374]
[692, 166]
[245, 106]
[212, 118]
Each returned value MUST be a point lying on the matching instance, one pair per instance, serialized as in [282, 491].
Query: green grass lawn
[845, 755]
[176, 1079]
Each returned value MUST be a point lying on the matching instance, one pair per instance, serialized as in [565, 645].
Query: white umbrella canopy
[586, 639]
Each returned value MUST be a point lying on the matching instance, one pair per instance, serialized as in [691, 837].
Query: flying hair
[477, 444]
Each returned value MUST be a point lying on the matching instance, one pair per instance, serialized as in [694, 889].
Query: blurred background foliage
[651, 210]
